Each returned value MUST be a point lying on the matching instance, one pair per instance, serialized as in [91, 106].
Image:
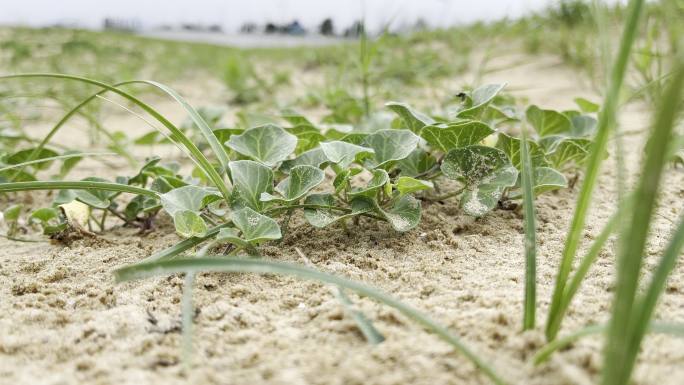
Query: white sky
[232, 13]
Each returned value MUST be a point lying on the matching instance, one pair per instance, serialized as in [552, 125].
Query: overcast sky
[232, 13]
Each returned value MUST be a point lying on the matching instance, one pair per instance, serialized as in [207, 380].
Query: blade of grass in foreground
[543, 354]
[628, 324]
[260, 266]
[607, 119]
[530, 302]
[75, 185]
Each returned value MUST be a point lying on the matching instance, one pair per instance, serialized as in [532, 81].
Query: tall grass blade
[209, 135]
[206, 166]
[625, 334]
[260, 266]
[58, 157]
[530, 302]
[75, 185]
[607, 119]
[543, 354]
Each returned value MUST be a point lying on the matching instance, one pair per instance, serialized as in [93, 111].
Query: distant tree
[327, 28]
[248, 28]
[271, 28]
[356, 29]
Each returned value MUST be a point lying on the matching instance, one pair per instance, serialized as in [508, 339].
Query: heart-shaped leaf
[548, 122]
[583, 125]
[407, 185]
[343, 153]
[547, 179]
[511, 147]
[321, 217]
[568, 150]
[187, 198]
[98, 199]
[315, 157]
[49, 220]
[189, 224]
[254, 226]
[418, 162]
[413, 120]
[455, 135]
[268, 144]
[404, 214]
[24, 156]
[390, 145]
[250, 180]
[295, 118]
[308, 137]
[486, 172]
[479, 100]
[300, 181]
[586, 106]
[378, 181]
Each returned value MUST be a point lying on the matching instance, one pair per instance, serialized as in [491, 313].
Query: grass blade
[607, 119]
[372, 335]
[260, 266]
[624, 335]
[206, 166]
[75, 185]
[584, 266]
[530, 302]
[59, 157]
[209, 135]
[543, 354]
[646, 305]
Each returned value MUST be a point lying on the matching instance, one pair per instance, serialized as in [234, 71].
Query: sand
[63, 320]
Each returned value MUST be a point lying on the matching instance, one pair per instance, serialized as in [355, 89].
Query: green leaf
[407, 185]
[404, 215]
[69, 163]
[413, 120]
[456, 135]
[320, 217]
[250, 180]
[187, 198]
[569, 150]
[295, 118]
[547, 179]
[390, 145]
[231, 235]
[377, 182]
[25, 155]
[586, 106]
[511, 147]
[11, 214]
[343, 153]
[49, 220]
[254, 226]
[300, 181]
[308, 137]
[100, 199]
[480, 99]
[189, 224]
[486, 171]
[268, 144]
[583, 125]
[315, 157]
[548, 122]
[418, 162]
